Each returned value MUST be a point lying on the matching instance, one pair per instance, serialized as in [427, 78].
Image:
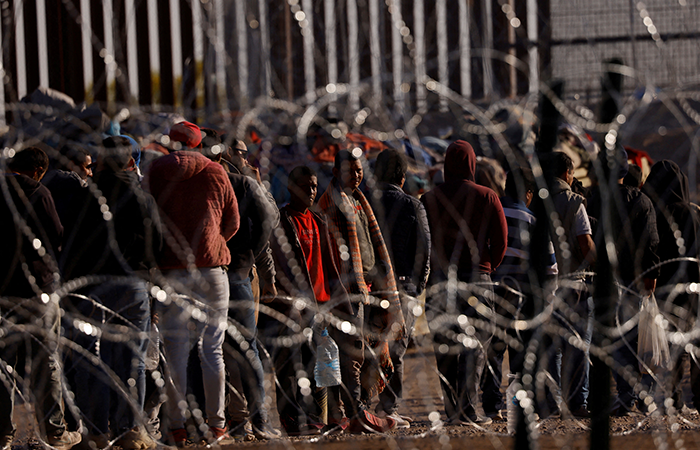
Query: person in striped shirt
[514, 277]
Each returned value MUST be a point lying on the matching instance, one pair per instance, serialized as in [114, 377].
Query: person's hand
[268, 293]
[254, 171]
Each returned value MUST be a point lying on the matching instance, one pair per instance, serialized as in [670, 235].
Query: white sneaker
[401, 421]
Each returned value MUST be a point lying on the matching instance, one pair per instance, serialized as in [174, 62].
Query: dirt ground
[423, 397]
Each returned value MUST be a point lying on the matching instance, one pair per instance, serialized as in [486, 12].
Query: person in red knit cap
[200, 212]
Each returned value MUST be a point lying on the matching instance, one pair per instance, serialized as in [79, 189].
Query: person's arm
[49, 222]
[422, 246]
[498, 237]
[650, 234]
[154, 230]
[230, 218]
[265, 266]
[273, 207]
[264, 216]
[588, 251]
[264, 261]
[584, 238]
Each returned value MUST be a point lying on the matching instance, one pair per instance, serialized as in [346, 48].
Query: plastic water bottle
[327, 369]
[513, 406]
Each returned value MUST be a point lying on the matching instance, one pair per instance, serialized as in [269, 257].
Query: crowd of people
[146, 291]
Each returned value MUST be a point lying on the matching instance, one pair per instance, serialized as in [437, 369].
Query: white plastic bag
[652, 345]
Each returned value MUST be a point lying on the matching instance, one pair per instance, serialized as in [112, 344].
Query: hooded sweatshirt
[125, 243]
[467, 224]
[24, 200]
[667, 187]
[198, 207]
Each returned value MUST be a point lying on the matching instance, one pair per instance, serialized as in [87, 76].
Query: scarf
[340, 210]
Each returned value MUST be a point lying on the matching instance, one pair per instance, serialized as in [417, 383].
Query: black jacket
[258, 219]
[637, 235]
[667, 186]
[293, 278]
[26, 201]
[67, 190]
[117, 241]
[404, 225]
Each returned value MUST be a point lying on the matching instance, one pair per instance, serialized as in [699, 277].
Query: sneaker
[293, 428]
[179, 437]
[6, 441]
[241, 431]
[478, 420]
[304, 430]
[368, 422]
[220, 436]
[92, 442]
[401, 421]
[136, 439]
[264, 432]
[620, 410]
[470, 420]
[496, 416]
[687, 411]
[67, 440]
[316, 427]
[336, 426]
[580, 413]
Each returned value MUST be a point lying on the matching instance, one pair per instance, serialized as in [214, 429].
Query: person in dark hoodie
[118, 245]
[248, 415]
[73, 166]
[200, 212]
[636, 243]
[32, 233]
[469, 239]
[235, 160]
[307, 272]
[678, 223]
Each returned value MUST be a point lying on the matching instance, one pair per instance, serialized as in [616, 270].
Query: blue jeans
[105, 400]
[625, 352]
[393, 392]
[572, 363]
[197, 314]
[239, 361]
[458, 364]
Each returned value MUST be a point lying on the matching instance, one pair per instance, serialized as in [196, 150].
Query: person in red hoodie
[469, 236]
[200, 213]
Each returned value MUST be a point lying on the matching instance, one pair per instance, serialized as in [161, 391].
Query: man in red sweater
[469, 237]
[200, 212]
